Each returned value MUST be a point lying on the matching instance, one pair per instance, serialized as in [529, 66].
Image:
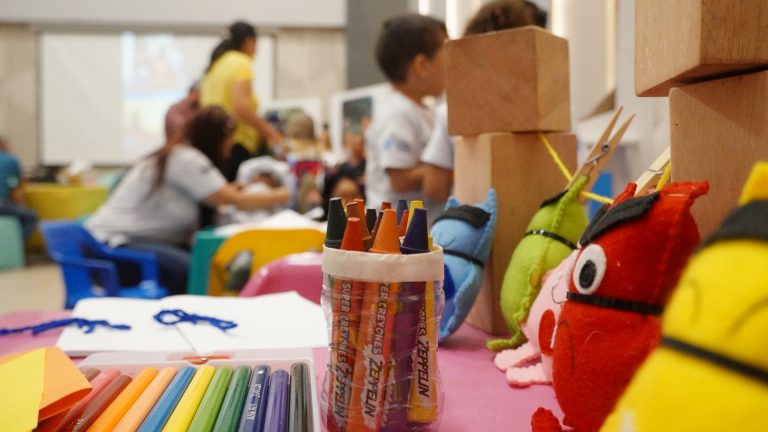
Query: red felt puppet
[629, 260]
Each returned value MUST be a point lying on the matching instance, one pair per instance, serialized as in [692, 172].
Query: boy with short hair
[410, 53]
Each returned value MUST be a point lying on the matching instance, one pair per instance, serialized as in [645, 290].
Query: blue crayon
[402, 206]
[410, 303]
[256, 401]
[157, 418]
[276, 419]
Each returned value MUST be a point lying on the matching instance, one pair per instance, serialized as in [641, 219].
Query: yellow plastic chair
[265, 245]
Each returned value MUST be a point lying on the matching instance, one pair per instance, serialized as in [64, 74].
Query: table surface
[476, 395]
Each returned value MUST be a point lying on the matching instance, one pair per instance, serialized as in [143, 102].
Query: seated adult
[11, 199]
[155, 206]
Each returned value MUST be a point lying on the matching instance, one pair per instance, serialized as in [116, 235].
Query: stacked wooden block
[711, 52]
[503, 89]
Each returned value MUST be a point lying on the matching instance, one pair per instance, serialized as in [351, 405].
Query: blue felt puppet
[465, 233]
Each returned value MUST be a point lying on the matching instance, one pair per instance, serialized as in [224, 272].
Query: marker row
[208, 398]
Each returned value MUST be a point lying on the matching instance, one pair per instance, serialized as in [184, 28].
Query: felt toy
[551, 235]
[465, 233]
[630, 258]
[526, 365]
[710, 371]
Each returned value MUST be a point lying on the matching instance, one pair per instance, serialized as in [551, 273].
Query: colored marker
[256, 402]
[89, 373]
[337, 221]
[98, 404]
[406, 326]
[370, 218]
[228, 419]
[117, 409]
[59, 421]
[146, 401]
[159, 415]
[347, 300]
[353, 210]
[384, 206]
[181, 417]
[402, 229]
[205, 416]
[402, 206]
[276, 418]
[301, 400]
[374, 341]
[414, 205]
[422, 405]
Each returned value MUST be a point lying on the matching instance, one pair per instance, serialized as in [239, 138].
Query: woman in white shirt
[155, 206]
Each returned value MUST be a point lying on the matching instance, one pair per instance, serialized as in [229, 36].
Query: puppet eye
[589, 270]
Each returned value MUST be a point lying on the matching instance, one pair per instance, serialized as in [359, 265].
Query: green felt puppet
[550, 237]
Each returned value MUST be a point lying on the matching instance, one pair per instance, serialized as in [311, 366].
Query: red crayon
[353, 210]
[373, 360]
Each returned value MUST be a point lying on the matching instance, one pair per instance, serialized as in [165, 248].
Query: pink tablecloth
[476, 396]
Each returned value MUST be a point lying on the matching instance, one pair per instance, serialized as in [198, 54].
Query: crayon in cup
[353, 210]
[406, 326]
[346, 303]
[373, 358]
[384, 206]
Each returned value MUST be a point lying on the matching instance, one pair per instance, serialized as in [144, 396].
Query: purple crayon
[277, 402]
[410, 303]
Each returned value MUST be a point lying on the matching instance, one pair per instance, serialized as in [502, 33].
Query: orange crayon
[347, 299]
[403, 223]
[375, 338]
[385, 205]
[353, 210]
[116, 410]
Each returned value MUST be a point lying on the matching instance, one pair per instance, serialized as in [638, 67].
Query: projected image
[157, 71]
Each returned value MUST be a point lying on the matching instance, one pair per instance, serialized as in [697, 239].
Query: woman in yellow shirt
[228, 83]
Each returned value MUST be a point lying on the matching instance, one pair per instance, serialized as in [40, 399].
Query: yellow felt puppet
[710, 371]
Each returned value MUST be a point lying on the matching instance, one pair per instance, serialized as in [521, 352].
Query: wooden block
[509, 81]
[679, 42]
[523, 174]
[719, 130]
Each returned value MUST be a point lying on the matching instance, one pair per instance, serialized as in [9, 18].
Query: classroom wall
[18, 90]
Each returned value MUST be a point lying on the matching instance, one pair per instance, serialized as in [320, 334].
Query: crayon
[402, 206]
[232, 408]
[144, 404]
[276, 418]
[347, 300]
[182, 415]
[117, 409]
[401, 230]
[300, 409]
[206, 413]
[384, 206]
[256, 403]
[159, 415]
[374, 340]
[406, 326]
[98, 404]
[89, 373]
[337, 221]
[353, 210]
[370, 218]
[414, 205]
[360, 207]
[422, 405]
[59, 421]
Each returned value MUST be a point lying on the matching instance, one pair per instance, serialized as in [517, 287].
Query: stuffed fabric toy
[525, 365]
[551, 235]
[465, 233]
[710, 371]
[630, 258]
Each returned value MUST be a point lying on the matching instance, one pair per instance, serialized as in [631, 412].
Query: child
[410, 53]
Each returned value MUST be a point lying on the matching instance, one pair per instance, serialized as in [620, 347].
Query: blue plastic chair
[66, 242]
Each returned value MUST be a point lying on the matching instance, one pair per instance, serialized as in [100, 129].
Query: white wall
[276, 13]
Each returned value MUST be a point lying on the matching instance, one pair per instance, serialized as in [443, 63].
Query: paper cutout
[21, 389]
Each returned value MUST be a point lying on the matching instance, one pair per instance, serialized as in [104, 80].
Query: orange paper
[63, 384]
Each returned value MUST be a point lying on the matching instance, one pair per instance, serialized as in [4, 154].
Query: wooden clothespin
[655, 176]
[601, 152]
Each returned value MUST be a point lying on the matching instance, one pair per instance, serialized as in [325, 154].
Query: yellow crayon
[182, 415]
